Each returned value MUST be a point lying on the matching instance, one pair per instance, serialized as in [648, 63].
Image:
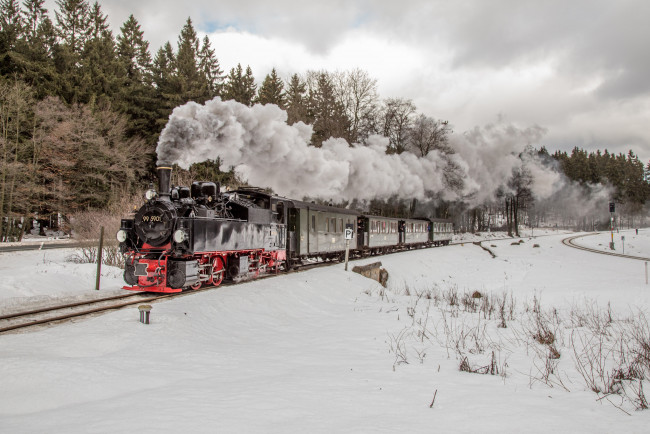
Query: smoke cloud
[267, 152]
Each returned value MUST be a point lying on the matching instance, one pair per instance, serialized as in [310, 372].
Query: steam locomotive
[187, 237]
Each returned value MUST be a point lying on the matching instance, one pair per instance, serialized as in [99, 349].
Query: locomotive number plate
[151, 218]
[140, 269]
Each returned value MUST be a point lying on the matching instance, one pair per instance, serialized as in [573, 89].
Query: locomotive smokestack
[164, 179]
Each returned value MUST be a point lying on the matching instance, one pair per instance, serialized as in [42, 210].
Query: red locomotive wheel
[218, 271]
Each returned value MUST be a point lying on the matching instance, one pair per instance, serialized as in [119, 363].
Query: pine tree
[272, 91]
[137, 96]
[249, 87]
[190, 81]
[329, 116]
[163, 68]
[133, 51]
[36, 63]
[11, 25]
[16, 122]
[167, 89]
[11, 32]
[211, 70]
[73, 23]
[233, 88]
[98, 27]
[30, 54]
[636, 188]
[101, 71]
[73, 30]
[296, 100]
[33, 15]
[240, 87]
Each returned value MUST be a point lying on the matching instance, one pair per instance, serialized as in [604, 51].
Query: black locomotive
[193, 236]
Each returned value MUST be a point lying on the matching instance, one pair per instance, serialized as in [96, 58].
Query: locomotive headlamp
[150, 194]
[180, 236]
[121, 235]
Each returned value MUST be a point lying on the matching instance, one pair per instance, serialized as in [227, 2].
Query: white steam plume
[269, 153]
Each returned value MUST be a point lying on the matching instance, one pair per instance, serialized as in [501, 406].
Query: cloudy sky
[578, 68]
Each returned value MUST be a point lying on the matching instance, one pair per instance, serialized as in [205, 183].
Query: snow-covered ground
[328, 350]
[626, 242]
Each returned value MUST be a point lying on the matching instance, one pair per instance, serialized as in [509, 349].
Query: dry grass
[604, 353]
[86, 228]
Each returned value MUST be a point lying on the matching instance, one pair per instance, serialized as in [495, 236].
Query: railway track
[570, 241]
[64, 312]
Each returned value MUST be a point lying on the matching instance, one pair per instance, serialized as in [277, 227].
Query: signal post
[349, 234]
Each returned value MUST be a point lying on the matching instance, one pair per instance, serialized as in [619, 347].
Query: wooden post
[99, 257]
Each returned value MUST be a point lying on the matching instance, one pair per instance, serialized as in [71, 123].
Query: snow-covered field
[330, 351]
[626, 242]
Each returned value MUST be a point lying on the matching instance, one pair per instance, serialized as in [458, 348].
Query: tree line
[81, 109]
[626, 173]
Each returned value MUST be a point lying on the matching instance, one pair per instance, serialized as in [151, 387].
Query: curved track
[570, 242]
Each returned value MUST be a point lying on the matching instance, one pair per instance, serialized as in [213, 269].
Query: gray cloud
[578, 68]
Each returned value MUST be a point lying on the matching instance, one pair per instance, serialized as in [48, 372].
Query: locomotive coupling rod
[145, 310]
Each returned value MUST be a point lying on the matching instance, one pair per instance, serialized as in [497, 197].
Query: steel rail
[64, 306]
[79, 313]
[570, 243]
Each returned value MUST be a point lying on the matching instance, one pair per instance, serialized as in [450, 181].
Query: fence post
[99, 257]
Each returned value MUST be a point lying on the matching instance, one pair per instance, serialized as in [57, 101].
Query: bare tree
[428, 134]
[396, 120]
[86, 161]
[357, 91]
[520, 195]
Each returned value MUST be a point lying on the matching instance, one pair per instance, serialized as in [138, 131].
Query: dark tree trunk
[508, 220]
[515, 214]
